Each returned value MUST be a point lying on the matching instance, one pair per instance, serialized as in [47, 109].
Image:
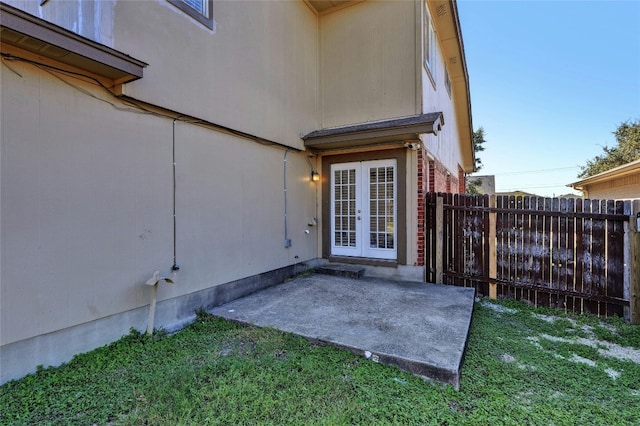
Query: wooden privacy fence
[573, 254]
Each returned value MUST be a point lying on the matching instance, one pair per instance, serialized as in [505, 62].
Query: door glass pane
[382, 226]
[345, 207]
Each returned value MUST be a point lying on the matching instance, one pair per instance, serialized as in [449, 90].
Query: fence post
[439, 237]
[634, 279]
[493, 255]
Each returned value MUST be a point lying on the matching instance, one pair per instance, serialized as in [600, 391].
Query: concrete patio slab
[418, 327]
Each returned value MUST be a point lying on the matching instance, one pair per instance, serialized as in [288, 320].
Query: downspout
[287, 240]
[175, 266]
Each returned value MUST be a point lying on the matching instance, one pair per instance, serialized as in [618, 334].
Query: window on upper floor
[429, 45]
[447, 82]
[200, 10]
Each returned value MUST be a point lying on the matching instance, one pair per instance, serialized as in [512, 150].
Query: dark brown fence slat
[512, 240]
[526, 243]
[446, 235]
[447, 247]
[465, 257]
[499, 244]
[450, 240]
[517, 240]
[598, 253]
[435, 235]
[430, 244]
[569, 269]
[428, 230]
[456, 262]
[542, 297]
[536, 241]
[561, 258]
[473, 248]
[615, 257]
[470, 247]
[554, 254]
[504, 233]
[464, 249]
[483, 287]
[579, 257]
[587, 281]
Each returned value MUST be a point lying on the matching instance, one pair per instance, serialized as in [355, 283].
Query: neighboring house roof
[615, 173]
[516, 194]
[375, 132]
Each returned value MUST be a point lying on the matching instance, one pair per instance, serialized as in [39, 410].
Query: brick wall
[433, 176]
[423, 181]
[462, 182]
[441, 179]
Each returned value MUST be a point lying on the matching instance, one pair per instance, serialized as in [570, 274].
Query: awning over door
[375, 132]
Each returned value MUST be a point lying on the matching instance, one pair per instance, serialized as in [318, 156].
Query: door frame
[360, 189]
[400, 155]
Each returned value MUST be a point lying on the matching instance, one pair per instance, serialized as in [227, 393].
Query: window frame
[429, 46]
[204, 19]
[447, 81]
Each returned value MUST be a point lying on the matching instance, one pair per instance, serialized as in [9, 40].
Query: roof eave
[617, 172]
[447, 21]
[375, 133]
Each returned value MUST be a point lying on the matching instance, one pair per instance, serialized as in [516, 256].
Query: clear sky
[550, 81]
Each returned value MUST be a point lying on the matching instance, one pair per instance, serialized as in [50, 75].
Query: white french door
[363, 209]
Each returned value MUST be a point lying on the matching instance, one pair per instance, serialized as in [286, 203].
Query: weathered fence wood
[634, 260]
[439, 222]
[565, 253]
[492, 259]
[578, 283]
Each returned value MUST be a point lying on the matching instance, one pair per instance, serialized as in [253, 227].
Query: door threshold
[389, 263]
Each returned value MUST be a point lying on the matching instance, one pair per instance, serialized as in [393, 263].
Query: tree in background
[478, 141]
[473, 186]
[628, 149]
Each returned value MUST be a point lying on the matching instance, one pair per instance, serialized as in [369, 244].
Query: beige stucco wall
[87, 205]
[368, 64]
[257, 72]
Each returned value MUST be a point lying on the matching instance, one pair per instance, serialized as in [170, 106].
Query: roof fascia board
[445, 14]
[620, 171]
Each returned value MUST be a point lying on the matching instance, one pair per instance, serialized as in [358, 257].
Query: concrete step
[341, 270]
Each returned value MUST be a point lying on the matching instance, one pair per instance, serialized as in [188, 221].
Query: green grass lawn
[523, 366]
